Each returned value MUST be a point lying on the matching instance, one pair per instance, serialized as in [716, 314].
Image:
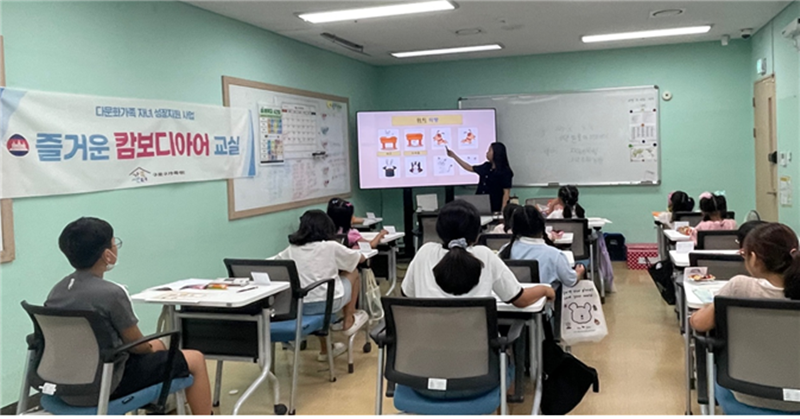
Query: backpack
[661, 273]
[373, 293]
[566, 379]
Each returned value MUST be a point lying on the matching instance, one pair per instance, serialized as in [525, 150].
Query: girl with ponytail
[715, 210]
[771, 257]
[529, 243]
[566, 204]
[457, 268]
[677, 201]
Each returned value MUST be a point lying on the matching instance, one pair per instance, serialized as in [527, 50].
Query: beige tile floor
[640, 364]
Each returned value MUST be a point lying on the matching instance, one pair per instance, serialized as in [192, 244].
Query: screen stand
[408, 222]
[449, 194]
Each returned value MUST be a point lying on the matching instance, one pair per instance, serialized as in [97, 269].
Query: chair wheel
[350, 368]
[303, 345]
[333, 380]
[367, 347]
[281, 409]
[292, 413]
[215, 404]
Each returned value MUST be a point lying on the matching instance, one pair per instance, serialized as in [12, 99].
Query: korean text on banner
[55, 143]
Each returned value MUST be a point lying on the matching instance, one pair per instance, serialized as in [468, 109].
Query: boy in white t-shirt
[318, 257]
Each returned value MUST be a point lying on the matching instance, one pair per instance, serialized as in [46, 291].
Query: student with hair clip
[318, 257]
[565, 205]
[505, 226]
[458, 268]
[341, 212]
[528, 243]
[678, 201]
[714, 209]
[773, 261]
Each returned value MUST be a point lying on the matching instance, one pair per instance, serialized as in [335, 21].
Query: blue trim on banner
[9, 102]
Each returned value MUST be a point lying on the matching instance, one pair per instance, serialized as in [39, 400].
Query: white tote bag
[582, 318]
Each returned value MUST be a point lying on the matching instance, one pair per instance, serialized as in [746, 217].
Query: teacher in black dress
[495, 175]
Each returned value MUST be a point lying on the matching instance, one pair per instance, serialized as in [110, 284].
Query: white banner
[55, 143]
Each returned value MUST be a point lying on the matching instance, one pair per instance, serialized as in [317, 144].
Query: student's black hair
[745, 229]
[714, 204]
[458, 272]
[776, 245]
[680, 201]
[84, 240]
[569, 196]
[315, 226]
[527, 222]
[500, 158]
[507, 211]
[341, 212]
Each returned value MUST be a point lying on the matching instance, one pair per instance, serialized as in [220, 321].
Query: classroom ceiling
[522, 27]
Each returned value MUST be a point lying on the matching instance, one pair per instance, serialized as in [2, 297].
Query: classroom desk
[681, 260]
[597, 225]
[487, 219]
[673, 236]
[368, 223]
[391, 254]
[693, 302]
[533, 316]
[565, 239]
[230, 298]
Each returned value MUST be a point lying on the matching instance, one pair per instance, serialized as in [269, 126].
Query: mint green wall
[784, 62]
[706, 129]
[159, 51]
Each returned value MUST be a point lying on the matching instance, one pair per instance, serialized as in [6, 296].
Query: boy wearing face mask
[91, 248]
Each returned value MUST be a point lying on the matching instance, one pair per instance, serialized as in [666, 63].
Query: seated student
[91, 248]
[528, 243]
[714, 209]
[457, 268]
[771, 257]
[745, 229]
[505, 226]
[678, 201]
[565, 205]
[318, 257]
[341, 212]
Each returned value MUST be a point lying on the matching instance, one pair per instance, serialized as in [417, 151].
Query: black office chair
[494, 241]
[717, 240]
[427, 228]
[723, 267]
[579, 227]
[755, 351]
[71, 361]
[444, 356]
[481, 202]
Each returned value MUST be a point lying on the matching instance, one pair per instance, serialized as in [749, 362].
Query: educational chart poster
[55, 143]
[409, 149]
[643, 140]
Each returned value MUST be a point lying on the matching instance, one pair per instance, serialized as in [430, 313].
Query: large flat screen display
[408, 148]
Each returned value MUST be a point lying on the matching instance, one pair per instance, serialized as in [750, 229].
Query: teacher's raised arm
[464, 165]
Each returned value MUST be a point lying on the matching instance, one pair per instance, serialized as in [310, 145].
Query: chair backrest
[761, 338]
[494, 241]
[68, 354]
[538, 202]
[717, 240]
[481, 202]
[579, 227]
[724, 267]
[694, 218]
[451, 338]
[752, 216]
[427, 228]
[285, 305]
[428, 202]
[526, 271]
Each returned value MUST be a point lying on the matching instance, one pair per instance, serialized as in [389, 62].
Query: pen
[246, 289]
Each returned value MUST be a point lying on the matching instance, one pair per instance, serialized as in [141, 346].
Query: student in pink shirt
[714, 209]
[341, 212]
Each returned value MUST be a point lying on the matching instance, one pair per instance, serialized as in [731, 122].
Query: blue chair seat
[120, 406]
[409, 401]
[284, 331]
[727, 401]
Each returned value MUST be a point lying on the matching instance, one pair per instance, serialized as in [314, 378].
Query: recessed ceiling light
[646, 34]
[667, 12]
[442, 51]
[380, 11]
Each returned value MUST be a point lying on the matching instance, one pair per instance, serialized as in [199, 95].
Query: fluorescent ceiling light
[646, 34]
[442, 51]
[380, 11]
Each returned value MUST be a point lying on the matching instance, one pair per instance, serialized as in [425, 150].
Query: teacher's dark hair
[315, 226]
[500, 158]
[458, 272]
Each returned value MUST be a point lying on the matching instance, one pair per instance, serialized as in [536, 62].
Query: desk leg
[217, 384]
[710, 372]
[379, 385]
[392, 262]
[536, 344]
[688, 355]
[264, 361]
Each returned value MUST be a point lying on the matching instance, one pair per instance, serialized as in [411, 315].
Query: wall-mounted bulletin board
[302, 148]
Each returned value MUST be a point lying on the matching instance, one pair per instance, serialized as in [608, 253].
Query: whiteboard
[595, 137]
[302, 148]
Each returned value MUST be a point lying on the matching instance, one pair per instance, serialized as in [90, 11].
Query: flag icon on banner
[18, 145]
